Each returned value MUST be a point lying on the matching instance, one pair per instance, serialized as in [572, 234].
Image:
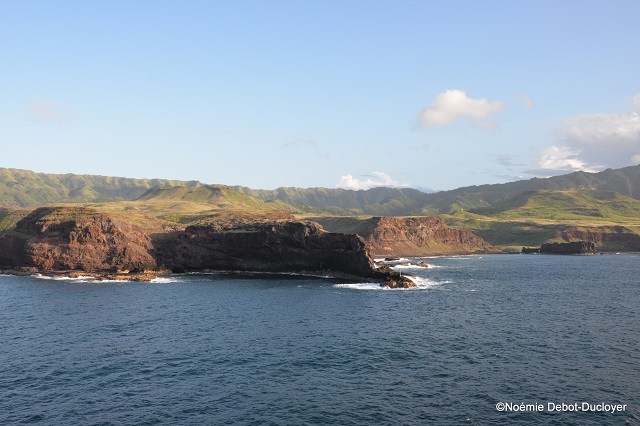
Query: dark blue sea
[480, 333]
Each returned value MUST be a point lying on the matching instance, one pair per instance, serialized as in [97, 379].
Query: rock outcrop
[575, 247]
[76, 238]
[606, 238]
[80, 239]
[410, 236]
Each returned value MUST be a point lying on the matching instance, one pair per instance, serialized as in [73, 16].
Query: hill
[601, 206]
[374, 201]
[408, 202]
[179, 204]
[608, 218]
[625, 181]
[24, 188]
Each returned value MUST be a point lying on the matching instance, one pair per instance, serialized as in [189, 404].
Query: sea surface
[478, 332]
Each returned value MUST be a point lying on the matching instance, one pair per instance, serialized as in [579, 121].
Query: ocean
[496, 339]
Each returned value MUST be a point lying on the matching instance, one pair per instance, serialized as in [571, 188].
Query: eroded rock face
[80, 239]
[575, 247]
[606, 238]
[413, 236]
[264, 247]
[72, 238]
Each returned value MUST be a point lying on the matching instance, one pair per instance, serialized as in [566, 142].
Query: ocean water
[289, 350]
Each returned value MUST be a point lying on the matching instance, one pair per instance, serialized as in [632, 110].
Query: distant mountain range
[23, 188]
[602, 207]
[406, 202]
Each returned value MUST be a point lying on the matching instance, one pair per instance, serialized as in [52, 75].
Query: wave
[414, 266]
[165, 280]
[79, 278]
[399, 259]
[425, 283]
[360, 286]
[421, 283]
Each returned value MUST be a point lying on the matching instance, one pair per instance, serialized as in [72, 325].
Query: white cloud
[558, 158]
[593, 142]
[636, 100]
[376, 180]
[452, 105]
[527, 102]
[46, 109]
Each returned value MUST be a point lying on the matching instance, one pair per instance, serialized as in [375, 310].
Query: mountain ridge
[23, 188]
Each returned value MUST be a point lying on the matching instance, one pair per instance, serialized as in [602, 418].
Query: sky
[351, 94]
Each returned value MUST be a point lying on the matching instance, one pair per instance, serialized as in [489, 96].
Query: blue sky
[320, 94]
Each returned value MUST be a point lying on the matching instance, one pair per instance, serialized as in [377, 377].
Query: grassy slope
[535, 217]
[23, 188]
[184, 205]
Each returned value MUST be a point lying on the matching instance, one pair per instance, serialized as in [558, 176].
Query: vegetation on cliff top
[519, 213]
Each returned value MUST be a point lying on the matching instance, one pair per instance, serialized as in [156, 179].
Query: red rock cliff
[411, 236]
[82, 239]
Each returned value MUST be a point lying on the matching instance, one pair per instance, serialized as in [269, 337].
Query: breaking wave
[421, 283]
[79, 278]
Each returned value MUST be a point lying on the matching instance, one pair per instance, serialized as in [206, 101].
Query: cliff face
[414, 236]
[606, 238]
[72, 238]
[264, 247]
[80, 239]
[576, 247]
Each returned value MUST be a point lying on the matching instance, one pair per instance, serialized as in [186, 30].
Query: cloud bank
[452, 105]
[593, 142]
[376, 179]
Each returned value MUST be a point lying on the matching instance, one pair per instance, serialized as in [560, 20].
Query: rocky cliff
[606, 238]
[81, 239]
[411, 236]
[76, 238]
[575, 247]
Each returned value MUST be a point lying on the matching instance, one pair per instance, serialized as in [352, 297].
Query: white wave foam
[165, 280]
[361, 286]
[399, 259]
[414, 266]
[79, 278]
[421, 283]
[424, 283]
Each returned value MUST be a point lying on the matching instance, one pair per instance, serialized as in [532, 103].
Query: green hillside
[625, 181]
[566, 205]
[529, 212]
[535, 217]
[345, 202]
[407, 201]
[181, 204]
[24, 188]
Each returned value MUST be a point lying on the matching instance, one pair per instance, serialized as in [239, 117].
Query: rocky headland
[409, 236]
[573, 247]
[73, 239]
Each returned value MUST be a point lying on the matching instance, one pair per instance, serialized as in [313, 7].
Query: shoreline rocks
[83, 241]
[575, 247]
